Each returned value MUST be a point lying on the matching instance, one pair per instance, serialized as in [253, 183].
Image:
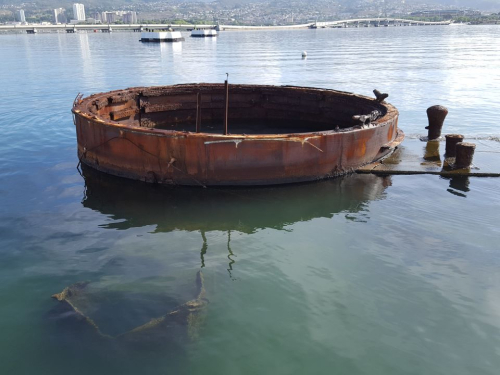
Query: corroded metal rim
[82, 108]
[116, 134]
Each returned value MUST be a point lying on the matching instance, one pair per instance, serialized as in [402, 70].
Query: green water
[358, 275]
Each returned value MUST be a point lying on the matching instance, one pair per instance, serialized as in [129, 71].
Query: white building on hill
[21, 16]
[78, 12]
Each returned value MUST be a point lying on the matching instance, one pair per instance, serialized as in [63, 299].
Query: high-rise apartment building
[60, 16]
[108, 17]
[96, 16]
[130, 18]
[21, 17]
[78, 12]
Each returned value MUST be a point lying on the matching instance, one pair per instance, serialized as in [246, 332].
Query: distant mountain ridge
[476, 4]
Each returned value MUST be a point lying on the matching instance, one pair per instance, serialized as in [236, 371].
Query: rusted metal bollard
[451, 143]
[436, 115]
[465, 153]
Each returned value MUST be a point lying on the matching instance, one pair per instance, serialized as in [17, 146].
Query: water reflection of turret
[135, 204]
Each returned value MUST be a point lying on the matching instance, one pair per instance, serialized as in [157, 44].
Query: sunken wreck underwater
[216, 134]
[85, 310]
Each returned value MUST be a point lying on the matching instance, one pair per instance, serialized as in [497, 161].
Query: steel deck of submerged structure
[428, 157]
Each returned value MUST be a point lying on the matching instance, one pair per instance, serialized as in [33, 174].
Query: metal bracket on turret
[367, 119]
[380, 97]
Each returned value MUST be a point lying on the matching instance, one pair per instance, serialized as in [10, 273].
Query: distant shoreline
[350, 23]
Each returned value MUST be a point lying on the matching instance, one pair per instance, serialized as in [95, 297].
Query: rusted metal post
[198, 112]
[451, 143]
[226, 110]
[436, 115]
[465, 154]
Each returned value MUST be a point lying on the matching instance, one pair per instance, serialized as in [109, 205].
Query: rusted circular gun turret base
[275, 134]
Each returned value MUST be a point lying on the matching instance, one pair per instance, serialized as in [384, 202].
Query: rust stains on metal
[151, 108]
[465, 154]
[122, 114]
[380, 97]
[451, 143]
[198, 112]
[436, 115]
[275, 135]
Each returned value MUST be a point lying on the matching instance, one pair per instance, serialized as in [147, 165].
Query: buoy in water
[304, 54]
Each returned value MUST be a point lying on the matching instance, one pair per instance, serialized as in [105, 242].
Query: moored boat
[203, 33]
[169, 35]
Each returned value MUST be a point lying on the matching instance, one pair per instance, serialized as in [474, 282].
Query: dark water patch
[92, 250]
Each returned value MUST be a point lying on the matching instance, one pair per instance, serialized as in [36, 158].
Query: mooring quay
[361, 22]
[448, 156]
[415, 156]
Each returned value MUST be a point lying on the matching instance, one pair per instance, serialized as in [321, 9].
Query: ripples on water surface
[359, 275]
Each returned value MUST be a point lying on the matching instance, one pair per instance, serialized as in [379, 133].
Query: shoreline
[349, 23]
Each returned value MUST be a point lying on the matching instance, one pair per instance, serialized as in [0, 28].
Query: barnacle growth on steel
[275, 134]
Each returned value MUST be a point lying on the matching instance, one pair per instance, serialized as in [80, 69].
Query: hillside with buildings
[236, 12]
[476, 4]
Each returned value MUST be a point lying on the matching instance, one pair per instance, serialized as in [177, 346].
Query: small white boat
[161, 36]
[197, 33]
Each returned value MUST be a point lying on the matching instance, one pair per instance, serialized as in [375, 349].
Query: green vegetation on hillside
[478, 20]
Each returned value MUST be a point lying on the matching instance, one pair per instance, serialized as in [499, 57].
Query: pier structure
[361, 22]
[414, 157]
[456, 160]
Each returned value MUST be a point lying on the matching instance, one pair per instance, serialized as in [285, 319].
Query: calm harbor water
[357, 275]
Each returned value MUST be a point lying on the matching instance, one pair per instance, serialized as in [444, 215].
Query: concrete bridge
[376, 22]
[362, 22]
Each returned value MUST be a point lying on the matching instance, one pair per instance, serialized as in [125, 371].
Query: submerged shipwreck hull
[275, 135]
[188, 317]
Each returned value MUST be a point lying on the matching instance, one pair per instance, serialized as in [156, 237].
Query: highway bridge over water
[377, 22]
[70, 28]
